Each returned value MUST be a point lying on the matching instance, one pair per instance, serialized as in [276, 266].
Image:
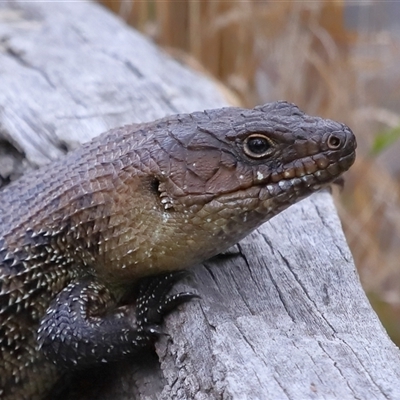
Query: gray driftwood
[284, 317]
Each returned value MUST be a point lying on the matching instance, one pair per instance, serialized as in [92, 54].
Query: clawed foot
[83, 325]
[153, 302]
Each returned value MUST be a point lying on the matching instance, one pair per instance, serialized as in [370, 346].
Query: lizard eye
[257, 146]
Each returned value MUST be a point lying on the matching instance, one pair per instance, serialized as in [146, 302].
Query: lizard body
[141, 200]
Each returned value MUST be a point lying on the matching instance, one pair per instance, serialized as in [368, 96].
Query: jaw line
[268, 191]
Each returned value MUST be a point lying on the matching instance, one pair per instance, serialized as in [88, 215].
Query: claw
[155, 330]
[171, 302]
[153, 302]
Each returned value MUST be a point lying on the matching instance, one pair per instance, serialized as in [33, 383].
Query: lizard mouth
[285, 188]
[272, 194]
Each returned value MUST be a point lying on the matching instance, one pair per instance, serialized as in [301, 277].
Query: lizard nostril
[334, 142]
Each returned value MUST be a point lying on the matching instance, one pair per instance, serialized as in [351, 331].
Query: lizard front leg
[83, 325]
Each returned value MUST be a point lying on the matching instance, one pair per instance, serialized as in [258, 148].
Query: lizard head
[226, 171]
[270, 156]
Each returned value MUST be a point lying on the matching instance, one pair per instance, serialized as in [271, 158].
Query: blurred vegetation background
[335, 59]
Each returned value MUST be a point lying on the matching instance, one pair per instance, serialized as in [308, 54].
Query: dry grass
[302, 52]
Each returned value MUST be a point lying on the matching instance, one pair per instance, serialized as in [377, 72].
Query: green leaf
[385, 139]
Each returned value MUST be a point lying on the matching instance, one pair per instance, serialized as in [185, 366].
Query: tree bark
[282, 316]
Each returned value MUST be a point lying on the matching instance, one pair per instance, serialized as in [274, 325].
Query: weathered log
[283, 317]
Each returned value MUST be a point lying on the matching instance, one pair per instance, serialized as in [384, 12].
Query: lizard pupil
[257, 146]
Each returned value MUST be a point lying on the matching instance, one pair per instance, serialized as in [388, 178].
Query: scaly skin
[136, 201]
